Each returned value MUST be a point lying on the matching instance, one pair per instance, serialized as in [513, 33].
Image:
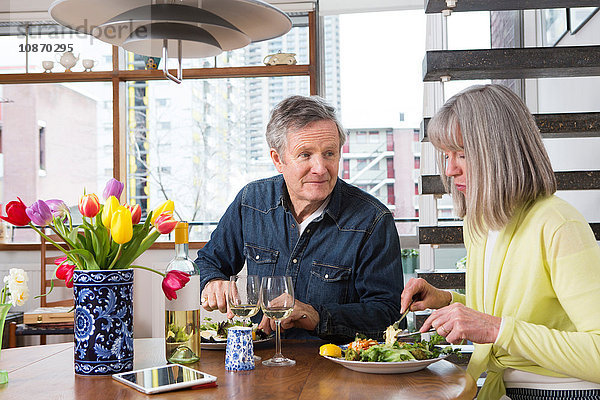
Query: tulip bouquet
[110, 236]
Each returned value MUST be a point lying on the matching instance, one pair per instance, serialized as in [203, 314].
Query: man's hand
[458, 322]
[214, 296]
[304, 316]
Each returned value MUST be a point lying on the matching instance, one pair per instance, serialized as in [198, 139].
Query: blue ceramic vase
[103, 321]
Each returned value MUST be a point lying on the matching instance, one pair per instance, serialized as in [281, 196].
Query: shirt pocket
[260, 260]
[328, 283]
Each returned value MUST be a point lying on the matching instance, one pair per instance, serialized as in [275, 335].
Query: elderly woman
[532, 304]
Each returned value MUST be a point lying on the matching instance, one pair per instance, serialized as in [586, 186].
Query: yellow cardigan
[544, 280]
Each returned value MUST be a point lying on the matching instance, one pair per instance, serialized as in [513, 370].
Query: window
[361, 164]
[361, 137]
[213, 152]
[65, 127]
[199, 140]
[164, 125]
[554, 25]
[380, 108]
[373, 136]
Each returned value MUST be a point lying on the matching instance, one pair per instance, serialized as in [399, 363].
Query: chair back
[48, 254]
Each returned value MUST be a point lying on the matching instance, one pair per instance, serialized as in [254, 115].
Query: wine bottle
[182, 315]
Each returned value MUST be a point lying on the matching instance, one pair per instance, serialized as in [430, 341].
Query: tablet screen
[166, 377]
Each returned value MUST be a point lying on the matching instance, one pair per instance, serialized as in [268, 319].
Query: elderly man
[338, 243]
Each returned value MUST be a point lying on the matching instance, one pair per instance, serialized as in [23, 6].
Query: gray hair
[507, 163]
[296, 112]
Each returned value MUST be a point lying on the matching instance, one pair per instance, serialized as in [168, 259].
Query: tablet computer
[164, 378]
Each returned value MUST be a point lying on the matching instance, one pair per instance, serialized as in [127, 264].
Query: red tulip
[136, 213]
[165, 223]
[15, 213]
[173, 281]
[89, 205]
[65, 270]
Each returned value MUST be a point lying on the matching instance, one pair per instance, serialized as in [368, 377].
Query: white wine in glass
[277, 303]
[243, 297]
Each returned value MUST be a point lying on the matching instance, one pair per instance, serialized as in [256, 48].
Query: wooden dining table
[46, 373]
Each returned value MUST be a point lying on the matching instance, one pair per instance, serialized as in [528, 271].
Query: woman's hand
[427, 296]
[458, 322]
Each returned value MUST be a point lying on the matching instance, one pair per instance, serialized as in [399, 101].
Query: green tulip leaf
[87, 257]
[73, 237]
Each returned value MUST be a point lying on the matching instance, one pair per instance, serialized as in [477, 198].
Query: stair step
[436, 6]
[512, 63]
[565, 180]
[454, 234]
[555, 126]
[453, 279]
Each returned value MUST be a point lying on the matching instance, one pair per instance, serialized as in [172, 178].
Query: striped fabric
[539, 394]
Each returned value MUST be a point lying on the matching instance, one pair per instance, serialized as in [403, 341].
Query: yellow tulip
[121, 225]
[109, 209]
[166, 207]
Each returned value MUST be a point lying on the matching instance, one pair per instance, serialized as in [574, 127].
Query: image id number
[44, 47]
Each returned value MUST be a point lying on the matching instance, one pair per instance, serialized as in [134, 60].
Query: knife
[414, 333]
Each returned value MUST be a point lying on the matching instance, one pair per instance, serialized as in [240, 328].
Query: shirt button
[257, 256]
[294, 261]
[326, 276]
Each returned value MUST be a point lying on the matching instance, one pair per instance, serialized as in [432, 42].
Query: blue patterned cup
[239, 354]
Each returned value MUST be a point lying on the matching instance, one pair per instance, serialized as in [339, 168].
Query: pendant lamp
[191, 28]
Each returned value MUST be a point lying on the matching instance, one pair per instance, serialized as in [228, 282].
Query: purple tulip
[58, 208]
[40, 213]
[113, 188]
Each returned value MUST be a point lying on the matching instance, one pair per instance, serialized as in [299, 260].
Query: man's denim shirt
[346, 264]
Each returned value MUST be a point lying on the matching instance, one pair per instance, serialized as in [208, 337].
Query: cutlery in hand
[401, 335]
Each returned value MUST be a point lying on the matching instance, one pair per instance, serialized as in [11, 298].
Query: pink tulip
[165, 223]
[136, 213]
[89, 205]
[65, 270]
[173, 281]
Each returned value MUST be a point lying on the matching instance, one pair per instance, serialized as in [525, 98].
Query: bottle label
[188, 297]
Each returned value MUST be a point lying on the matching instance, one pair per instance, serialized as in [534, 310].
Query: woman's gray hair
[296, 112]
[507, 164]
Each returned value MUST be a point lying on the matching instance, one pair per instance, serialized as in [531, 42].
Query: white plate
[222, 345]
[386, 367]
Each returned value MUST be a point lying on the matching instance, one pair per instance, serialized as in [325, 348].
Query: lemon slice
[330, 350]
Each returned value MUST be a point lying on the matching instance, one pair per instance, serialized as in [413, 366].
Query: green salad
[397, 351]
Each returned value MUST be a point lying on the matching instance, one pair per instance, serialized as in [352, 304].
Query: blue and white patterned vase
[239, 353]
[103, 321]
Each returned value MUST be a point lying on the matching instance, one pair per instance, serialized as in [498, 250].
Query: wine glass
[277, 302]
[243, 297]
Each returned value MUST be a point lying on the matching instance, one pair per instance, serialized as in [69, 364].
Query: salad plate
[400, 367]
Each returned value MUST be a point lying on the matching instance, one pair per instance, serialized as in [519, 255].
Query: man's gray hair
[296, 112]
